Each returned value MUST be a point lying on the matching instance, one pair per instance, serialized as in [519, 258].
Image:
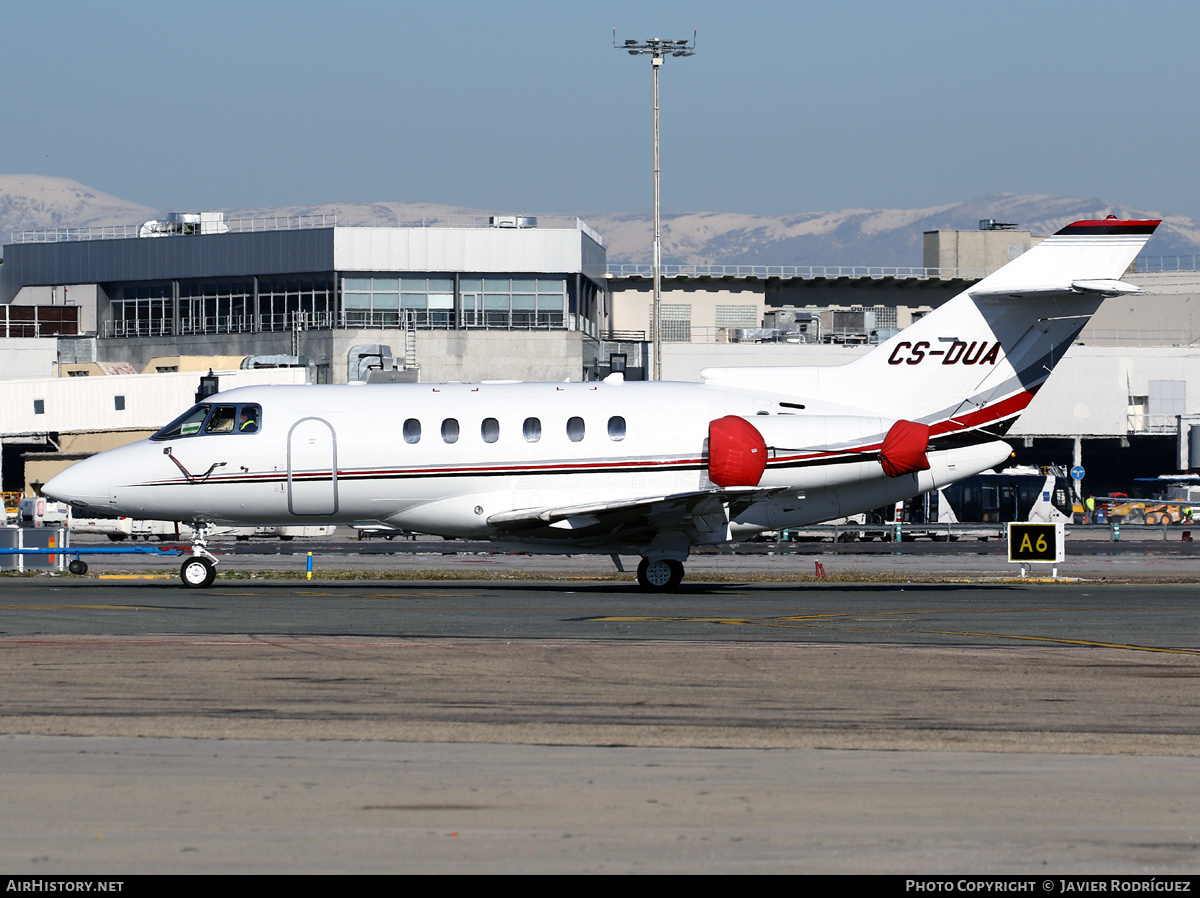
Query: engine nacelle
[813, 451]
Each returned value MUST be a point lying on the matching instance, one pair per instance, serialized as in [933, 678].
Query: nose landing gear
[199, 571]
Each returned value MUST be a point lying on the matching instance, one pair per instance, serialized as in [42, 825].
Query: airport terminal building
[341, 298]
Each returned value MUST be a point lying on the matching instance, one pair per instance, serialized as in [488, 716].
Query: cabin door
[312, 468]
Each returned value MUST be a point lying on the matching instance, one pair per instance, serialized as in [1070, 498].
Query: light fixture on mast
[657, 49]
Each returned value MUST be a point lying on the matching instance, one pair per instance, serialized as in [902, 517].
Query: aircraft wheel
[663, 575]
[78, 567]
[198, 573]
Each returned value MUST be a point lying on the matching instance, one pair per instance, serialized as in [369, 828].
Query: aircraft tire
[78, 567]
[197, 573]
[663, 575]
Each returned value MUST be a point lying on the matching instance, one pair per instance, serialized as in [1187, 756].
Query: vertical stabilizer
[977, 361]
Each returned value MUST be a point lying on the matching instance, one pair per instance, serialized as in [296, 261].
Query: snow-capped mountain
[846, 237]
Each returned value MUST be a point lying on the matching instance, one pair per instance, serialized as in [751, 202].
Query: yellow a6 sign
[1035, 542]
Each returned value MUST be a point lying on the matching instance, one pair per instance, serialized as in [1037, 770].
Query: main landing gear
[660, 575]
[199, 571]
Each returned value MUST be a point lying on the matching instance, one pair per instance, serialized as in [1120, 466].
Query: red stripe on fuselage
[986, 415]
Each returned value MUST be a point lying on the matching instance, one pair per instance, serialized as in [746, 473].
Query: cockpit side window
[186, 425]
[222, 419]
[249, 418]
[206, 419]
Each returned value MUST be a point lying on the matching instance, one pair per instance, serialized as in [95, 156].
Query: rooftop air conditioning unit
[513, 221]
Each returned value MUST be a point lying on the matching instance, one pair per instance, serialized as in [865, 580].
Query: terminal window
[737, 316]
[513, 303]
[676, 323]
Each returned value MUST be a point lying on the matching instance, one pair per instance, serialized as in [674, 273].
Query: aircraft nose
[86, 484]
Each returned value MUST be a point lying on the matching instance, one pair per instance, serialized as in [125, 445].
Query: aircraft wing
[702, 514]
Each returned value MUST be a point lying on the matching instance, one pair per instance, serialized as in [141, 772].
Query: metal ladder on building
[410, 340]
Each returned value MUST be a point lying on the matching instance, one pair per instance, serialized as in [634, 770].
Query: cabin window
[119, 403]
[39, 406]
[450, 430]
[616, 428]
[412, 431]
[532, 430]
[575, 429]
[490, 429]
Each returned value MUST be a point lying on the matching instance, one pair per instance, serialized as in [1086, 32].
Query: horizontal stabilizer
[1105, 287]
[1101, 287]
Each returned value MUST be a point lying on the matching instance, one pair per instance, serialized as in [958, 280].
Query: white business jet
[648, 469]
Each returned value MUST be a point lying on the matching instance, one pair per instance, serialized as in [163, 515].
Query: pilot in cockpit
[221, 420]
[247, 422]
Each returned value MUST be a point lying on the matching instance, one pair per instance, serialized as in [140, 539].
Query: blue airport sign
[1077, 472]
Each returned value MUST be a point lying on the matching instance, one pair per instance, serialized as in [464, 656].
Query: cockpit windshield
[205, 419]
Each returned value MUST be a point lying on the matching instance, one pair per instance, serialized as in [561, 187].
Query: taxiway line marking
[356, 595]
[76, 608]
[1087, 642]
[135, 577]
[792, 622]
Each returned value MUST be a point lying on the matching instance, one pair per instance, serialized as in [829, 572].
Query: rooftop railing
[1136, 337]
[1167, 263]
[300, 222]
[646, 269]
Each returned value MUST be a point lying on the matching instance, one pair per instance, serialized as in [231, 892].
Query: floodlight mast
[657, 49]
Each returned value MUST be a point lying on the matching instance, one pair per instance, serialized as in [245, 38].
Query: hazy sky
[524, 105]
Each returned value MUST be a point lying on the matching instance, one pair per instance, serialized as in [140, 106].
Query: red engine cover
[737, 453]
[903, 450]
